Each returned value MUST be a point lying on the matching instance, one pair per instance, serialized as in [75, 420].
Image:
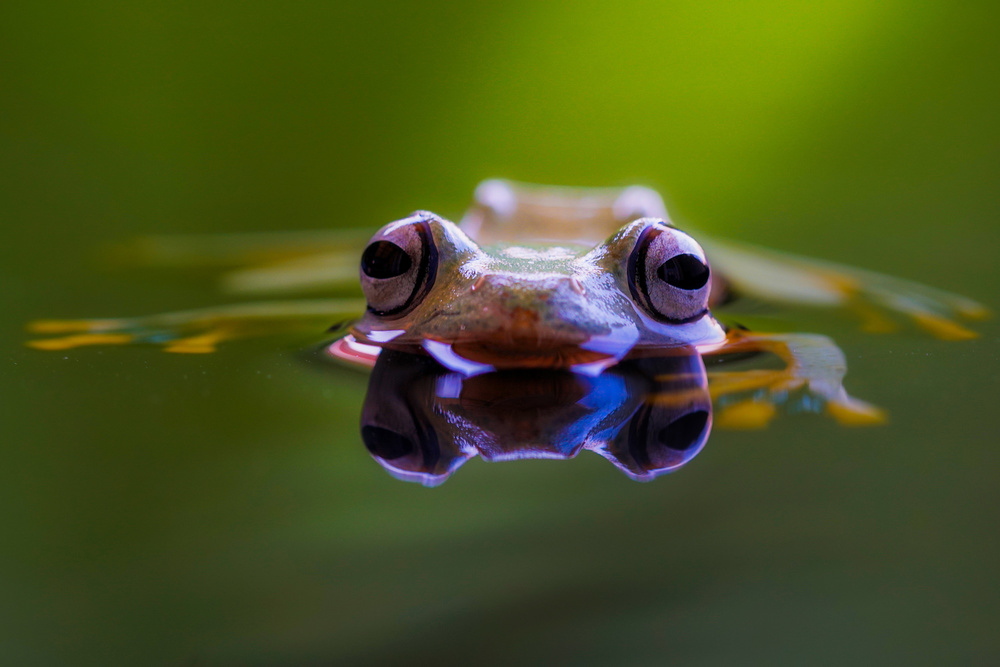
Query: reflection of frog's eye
[668, 274]
[398, 266]
[386, 444]
[684, 432]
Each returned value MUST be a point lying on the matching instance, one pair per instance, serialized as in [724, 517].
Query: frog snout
[511, 321]
[501, 293]
[543, 308]
[501, 283]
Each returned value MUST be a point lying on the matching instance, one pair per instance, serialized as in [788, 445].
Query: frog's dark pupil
[384, 259]
[685, 272]
[684, 431]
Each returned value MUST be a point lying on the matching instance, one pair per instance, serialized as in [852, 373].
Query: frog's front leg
[810, 378]
[874, 297]
[235, 250]
[196, 331]
[258, 264]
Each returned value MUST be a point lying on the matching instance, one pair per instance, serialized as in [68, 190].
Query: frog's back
[509, 212]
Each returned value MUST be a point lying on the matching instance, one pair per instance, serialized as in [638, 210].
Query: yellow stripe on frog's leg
[201, 344]
[80, 333]
[926, 314]
[813, 363]
[79, 340]
[942, 327]
[198, 331]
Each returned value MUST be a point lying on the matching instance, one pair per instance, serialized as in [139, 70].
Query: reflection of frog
[648, 415]
[532, 276]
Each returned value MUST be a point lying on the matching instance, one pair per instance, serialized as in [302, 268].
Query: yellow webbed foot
[811, 380]
[849, 411]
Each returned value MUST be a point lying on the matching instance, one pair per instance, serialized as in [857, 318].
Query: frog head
[428, 285]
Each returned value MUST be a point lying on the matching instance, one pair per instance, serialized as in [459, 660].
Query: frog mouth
[564, 355]
[480, 351]
[475, 357]
[582, 354]
[477, 351]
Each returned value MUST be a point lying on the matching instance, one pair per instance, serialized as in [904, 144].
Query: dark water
[222, 509]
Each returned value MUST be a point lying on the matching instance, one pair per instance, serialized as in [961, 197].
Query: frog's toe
[205, 343]
[850, 411]
[943, 327]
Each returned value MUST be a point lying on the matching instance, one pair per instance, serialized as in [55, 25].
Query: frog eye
[398, 266]
[668, 274]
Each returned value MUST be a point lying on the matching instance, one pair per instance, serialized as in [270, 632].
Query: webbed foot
[195, 331]
[811, 380]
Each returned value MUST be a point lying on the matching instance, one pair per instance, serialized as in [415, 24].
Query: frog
[533, 276]
[547, 286]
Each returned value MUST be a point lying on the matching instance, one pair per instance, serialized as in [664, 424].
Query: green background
[162, 509]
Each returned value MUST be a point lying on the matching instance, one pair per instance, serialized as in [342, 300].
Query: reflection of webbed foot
[811, 380]
[194, 331]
